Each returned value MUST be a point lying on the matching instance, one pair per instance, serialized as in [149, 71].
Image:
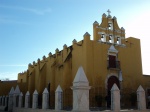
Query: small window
[103, 37]
[112, 61]
[109, 26]
[111, 40]
[118, 40]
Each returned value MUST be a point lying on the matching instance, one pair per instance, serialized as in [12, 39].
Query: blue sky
[30, 29]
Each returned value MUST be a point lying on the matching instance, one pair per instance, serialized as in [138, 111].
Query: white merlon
[65, 46]
[95, 22]
[122, 28]
[74, 41]
[86, 34]
[57, 50]
[114, 18]
[104, 15]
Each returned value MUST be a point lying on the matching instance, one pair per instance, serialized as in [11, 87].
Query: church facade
[108, 58]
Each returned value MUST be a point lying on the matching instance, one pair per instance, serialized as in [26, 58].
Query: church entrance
[110, 83]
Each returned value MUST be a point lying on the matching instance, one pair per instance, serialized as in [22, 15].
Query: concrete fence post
[10, 101]
[16, 96]
[27, 100]
[141, 101]
[6, 101]
[35, 100]
[115, 98]
[45, 99]
[20, 100]
[80, 91]
[58, 98]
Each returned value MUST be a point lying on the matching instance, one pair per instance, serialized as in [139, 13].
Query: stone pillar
[141, 101]
[6, 101]
[35, 100]
[58, 98]
[27, 100]
[115, 98]
[16, 96]
[20, 100]
[80, 91]
[0, 100]
[45, 99]
[10, 101]
[3, 101]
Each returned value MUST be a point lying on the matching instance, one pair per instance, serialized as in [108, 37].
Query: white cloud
[31, 10]
[22, 65]
[10, 75]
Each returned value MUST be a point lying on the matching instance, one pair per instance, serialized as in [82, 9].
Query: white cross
[109, 12]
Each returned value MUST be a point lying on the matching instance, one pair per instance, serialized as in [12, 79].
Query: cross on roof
[109, 12]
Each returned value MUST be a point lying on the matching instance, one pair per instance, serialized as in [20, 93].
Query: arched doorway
[110, 83]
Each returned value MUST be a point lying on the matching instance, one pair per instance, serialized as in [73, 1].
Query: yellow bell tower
[108, 31]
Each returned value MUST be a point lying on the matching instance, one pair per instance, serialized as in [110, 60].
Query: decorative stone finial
[114, 18]
[122, 28]
[104, 15]
[27, 93]
[29, 64]
[44, 57]
[45, 91]
[58, 89]
[95, 22]
[108, 12]
[74, 41]
[38, 60]
[21, 94]
[11, 91]
[35, 92]
[65, 46]
[17, 90]
[57, 50]
[86, 34]
[33, 62]
[50, 54]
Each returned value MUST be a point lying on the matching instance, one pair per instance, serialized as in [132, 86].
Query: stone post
[115, 98]
[0, 100]
[16, 96]
[80, 91]
[35, 100]
[10, 101]
[45, 99]
[141, 101]
[3, 101]
[58, 98]
[27, 100]
[6, 101]
[20, 100]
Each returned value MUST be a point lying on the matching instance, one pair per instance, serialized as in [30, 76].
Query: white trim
[108, 76]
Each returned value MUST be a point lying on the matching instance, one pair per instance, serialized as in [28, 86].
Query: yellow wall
[60, 68]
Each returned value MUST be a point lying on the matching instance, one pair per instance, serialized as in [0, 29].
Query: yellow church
[107, 58]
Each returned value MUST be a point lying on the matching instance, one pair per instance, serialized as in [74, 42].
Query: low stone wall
[48, 110]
